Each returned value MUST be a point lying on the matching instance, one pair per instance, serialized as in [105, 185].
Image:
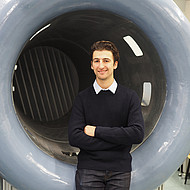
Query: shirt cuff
[96, 131]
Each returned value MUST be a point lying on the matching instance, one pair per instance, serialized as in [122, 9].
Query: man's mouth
[102, 71]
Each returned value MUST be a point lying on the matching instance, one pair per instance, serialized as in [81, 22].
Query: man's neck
[104, 84]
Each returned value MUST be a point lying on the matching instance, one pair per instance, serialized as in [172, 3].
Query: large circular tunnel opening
[55, 65]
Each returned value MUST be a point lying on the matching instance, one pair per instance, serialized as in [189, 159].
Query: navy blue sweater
[119, 124]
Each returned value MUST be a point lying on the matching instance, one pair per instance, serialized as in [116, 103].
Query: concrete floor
[175, 182]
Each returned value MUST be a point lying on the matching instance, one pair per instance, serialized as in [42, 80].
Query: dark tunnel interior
[54, 66]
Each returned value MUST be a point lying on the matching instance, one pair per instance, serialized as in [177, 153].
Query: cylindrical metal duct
[55, 65]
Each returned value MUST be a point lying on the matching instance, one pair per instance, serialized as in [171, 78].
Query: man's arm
[77, 136]
[133, 133]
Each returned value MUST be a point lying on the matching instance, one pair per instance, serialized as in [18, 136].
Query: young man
[106, 120]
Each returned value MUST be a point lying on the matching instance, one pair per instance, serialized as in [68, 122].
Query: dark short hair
[105, 45]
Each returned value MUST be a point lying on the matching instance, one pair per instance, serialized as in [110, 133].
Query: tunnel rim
[28, 47]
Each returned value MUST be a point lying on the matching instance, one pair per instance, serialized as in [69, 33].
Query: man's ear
[92, 66]
[115, 65]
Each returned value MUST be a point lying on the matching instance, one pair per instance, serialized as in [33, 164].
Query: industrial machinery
[45, 62]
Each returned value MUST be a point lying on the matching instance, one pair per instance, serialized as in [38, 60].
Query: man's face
[103, 64]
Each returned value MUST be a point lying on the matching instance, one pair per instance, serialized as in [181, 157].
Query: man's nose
[101, 65]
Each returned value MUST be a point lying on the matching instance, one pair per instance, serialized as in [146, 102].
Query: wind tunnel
[55, 65]
[45, 62]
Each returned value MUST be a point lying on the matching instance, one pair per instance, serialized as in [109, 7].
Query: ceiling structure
[184, 5]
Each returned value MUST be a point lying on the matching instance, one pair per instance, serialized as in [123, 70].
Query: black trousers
[102, 180]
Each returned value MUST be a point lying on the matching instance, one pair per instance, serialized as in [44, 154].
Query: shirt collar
[112, 88]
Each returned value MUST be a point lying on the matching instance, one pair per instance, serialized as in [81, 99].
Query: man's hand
[90, 130]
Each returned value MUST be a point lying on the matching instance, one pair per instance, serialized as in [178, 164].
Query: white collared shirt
[112, 88]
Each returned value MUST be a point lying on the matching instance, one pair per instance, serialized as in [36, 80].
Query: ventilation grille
[45, 84]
